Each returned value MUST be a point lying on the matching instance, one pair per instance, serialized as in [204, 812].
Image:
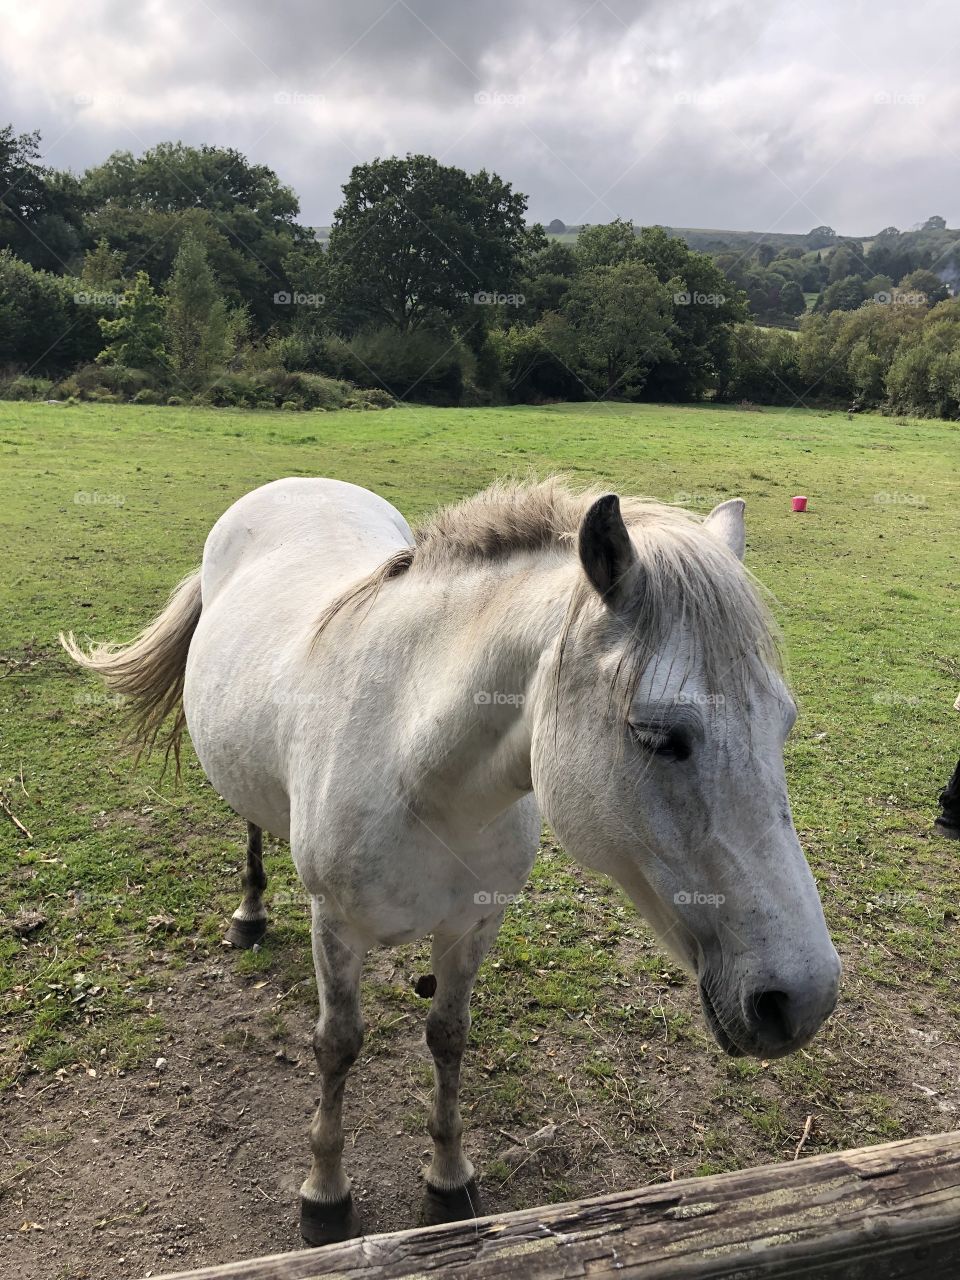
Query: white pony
[404, 707]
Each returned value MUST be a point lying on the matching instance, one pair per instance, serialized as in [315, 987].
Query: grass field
[113, 910]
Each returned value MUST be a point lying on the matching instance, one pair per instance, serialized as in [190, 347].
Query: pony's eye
[667, 744]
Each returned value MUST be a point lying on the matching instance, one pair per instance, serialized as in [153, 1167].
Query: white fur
[408, 754]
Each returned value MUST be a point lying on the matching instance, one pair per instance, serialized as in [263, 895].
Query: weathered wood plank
[890, 1212]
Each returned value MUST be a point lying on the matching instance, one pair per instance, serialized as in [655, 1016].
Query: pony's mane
[685, 575]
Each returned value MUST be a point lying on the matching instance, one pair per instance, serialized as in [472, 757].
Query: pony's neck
[497, 627]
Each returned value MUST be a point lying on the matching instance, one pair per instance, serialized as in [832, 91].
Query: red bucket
[799, 504]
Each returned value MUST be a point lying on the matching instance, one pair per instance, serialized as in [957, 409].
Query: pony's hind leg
[249, 922]
[451, 1188]
[326, 1205]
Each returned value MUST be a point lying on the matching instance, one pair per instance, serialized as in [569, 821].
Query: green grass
[105, 507]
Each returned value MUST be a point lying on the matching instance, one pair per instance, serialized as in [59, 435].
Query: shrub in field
[233, 389]
[93, 381]
[23, 387]
[539, 362]
[277, 388]
[765, 366]
[434, 366]
[135, 337]
[48, 323]
[377, 398]
[195, 314]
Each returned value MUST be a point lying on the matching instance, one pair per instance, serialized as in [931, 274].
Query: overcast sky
[762, 116]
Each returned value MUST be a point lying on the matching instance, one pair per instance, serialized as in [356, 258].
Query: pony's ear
[726, 522]
[606, 552]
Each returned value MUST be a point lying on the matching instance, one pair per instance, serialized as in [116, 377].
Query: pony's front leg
[451, 1190]
[326, 1205]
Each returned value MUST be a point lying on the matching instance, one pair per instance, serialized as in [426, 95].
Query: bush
[432, 367]
[23, 387]
[765, 366]
[47, 322]
[95, 381]
[377, 398]
[538, 362]
[274, 388]
[146, 395]
[174, 401]
[294, 405]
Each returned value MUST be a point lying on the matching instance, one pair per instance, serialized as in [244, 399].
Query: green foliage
[622, 316]
[434, 365]
[538, 362]
[764, 366]
[103, 268]
[136, 337]
[406, 295]
[243, 214]
[23, 387]
[792, 301]
[414, 239]
[93, 381]
[48, 323]
[281, 388]
[41, 212]
[195, 315]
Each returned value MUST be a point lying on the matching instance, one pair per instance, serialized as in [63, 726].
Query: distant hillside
[716, 240]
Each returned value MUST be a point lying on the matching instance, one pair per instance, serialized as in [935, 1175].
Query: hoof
[451, 1206]
[949, 830]
[244, 934]
[328, 1223]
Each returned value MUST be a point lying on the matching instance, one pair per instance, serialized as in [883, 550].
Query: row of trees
[779, 283]
[900, 357]
[185, 272]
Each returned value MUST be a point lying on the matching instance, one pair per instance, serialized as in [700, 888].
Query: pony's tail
[149, 671]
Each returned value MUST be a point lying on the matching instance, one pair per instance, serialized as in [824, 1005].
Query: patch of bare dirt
[196, 1158]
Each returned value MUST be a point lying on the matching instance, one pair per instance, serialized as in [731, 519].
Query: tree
[765, 253]
[842, 295]
[103, 268]
[557, 228]
[135, 336]
[414, 240]
[245, 216]
[935, 223]
[821, 237]
[47, 324]
[547, 276]
[607, 244]
[792, 301]
[195, 314]
[41, 211]
[847, 260]
[703, 321]
[623, 316]
[926, 283]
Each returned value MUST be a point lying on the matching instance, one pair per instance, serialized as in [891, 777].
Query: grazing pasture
[157, 1087]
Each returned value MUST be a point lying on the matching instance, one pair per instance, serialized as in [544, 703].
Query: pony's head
[659, 729]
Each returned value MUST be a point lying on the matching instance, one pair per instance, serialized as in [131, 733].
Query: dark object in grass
[426, 986]
[948, 823]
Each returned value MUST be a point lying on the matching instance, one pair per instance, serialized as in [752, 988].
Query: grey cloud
[702, 112]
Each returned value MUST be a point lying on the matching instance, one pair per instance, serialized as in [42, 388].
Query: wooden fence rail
[889, 1212]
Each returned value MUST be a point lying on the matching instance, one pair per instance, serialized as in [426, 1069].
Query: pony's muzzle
[780, 1017]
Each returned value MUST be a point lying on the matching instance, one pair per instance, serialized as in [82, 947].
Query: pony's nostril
[771, 1015]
